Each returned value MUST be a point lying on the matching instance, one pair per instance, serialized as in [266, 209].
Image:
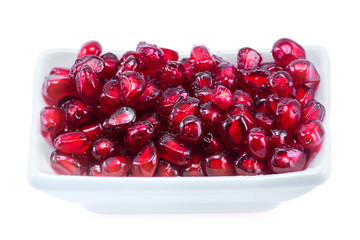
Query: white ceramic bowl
[186, 194]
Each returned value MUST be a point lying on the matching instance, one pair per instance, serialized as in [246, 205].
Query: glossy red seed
[146, 161]
[76, 112]
[183, 108]
[242, 97]
[116, 166]
[255, 81]
[168, 99]
[281, 83]
[95, 62]
[120, 120]
[212, 144]
[233, 132]
[313, 110]
[222, 97]
[191, 129]
[59, 71]
[211, 115]
[90, 48]
[88, 85]
[204, 95]
[257, 143]
[304, 72]
[271, 66]
[172, 74]
[94, 170]
[167, 169]
[138, 135]
[243, 111]
[170, 55]
[110, 96]
[264, 121]
[111, 65]
[103, 148]
[66, 164]
[132, 85]
[271, 103]
[303, 93]
[173, 150]
[246, 165]
[128, 54]
[311, 133]
[201, 80]
[56, 87]
[189, 66]
[248, 58]
[151, 57]
[203, 61]
[278, 138]
[72, 142]
[194, 167]
[52, 120]
[285, 159]
[286, 50]
[155, 119]
[148, 97]
[220, 164]
[226, 75]
[288, 113]
[92, 130]
[131, 63]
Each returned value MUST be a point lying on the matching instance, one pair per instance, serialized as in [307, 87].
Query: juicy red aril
[72, 142]
[57, 86]
[131, 63]
[233, 132]
[94, 170]
[212, 144]
[167, 169]
[222, 97]
[185, 107]
[88, 84]
[257, 143]
[286, 50]
[151, 56]
[189, 66]
[203, 60]
[111, 65]
[278, 138]
[248, 58]
[304, 72]
[271, 66]
[146, 161]
[281, 83]
[76, 112]
[264, 121]
[172, 74]
[170, 55]
[95, 62]
[168, 99]
[138, 135]
[116, 166]
[288, 113]
[148, 97]
[311, 134]
[193, 168]
[119, 121]
[59, 71]
[255, 81]
[204, 95]
[246, 165]
[173, 150]
[242, 97]
[92, 131]
[243, 111]
[52, 120]
[285, 159]
[154, 118]
[103, 148]
[191, 129]
[271, 103]
[303, 93]
[66, 164]
[313, 110]
[201, 80]
[90, 48]
[110, 96]
[220, 164]
[226, 75]
[126, 55]
[132, 85]
[211, 115]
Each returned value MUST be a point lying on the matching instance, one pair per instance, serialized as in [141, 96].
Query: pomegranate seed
[233, 132]
[284, 160]
[138, 135]
[248, 58]
[242, 110]
[311, 134]
[155, 119]
[271, 66]
[128, 54]
[218, 60]
[246, 165]
[56, 87]
[167, 169]
[172, 74]
[116, 166]
[220, 164]
[103, 148]
[191, 129]
[255, 81]
[257, 143]
[189, 66]
[264, 121]
[110, 96]
[203, 60]
[303, 93]
[92, 131]
[168, 99]
[76, 112]
[132, 85]
[120, 148]
[260, 106]
[201, 80]
[286, 50]
[313, 110]
[212, 144]
[52, 120]
[151, 56]
[227, 76]
[146, 161]
[59, 71]
[119, 121]
[204, 95]
[288, 114]
[211, 115]
[183, 108]
[278, 138]
[173, 150]
[94, 170]
[193, 167]
[72, 142]
[90, 48]
[222, 97]
[88, 85]
[281, 83]
[271, 103]
[111, 65]
[66, 164]
[242, 97]
[131, 63]
[148, 97]
[170, 55]
[95, 62]
[304, 72]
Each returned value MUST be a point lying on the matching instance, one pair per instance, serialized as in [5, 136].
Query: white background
[29, 27]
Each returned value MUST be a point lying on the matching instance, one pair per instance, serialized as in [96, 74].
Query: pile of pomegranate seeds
[148, 113]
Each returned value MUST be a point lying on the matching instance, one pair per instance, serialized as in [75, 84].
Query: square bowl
[184, 194]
